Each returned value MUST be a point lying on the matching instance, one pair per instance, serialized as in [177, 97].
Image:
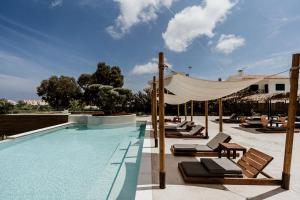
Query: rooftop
[242, 76]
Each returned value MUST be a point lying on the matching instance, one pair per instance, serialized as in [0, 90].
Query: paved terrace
[272, 144]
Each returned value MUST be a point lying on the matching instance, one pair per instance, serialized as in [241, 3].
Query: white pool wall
[102, 120]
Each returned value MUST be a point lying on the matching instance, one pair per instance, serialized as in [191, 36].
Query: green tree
[104, 97]
[125, 98]
[110, 99]
[59, 91]
[104, 75]
[5, 106]
[141, 101]
[76, 105]
[22, 106]
[116, 77]
[84, 80]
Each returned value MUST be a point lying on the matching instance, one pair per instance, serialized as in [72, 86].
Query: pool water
[75, 162]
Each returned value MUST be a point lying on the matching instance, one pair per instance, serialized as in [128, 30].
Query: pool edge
[39, 130]
[144, 191]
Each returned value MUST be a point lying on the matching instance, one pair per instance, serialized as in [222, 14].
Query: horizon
[41, 38]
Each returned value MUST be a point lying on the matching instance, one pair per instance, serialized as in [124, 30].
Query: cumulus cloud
[195, 21]
[228, 43]
[56, 3]
[133, 12]
[147, 68]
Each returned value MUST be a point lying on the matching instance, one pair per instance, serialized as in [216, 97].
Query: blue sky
[40, 38]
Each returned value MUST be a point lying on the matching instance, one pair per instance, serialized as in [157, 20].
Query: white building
[269, 84]
[35, 102]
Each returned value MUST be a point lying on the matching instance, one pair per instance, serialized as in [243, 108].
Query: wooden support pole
[185, 112]
[294, 77]
[192, 110]
[220, 115]
[155, 112]
[206, 119]
[162, 173]
[178, 110]
[152, 108]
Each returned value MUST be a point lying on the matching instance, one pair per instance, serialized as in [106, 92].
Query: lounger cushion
[219, 138]
[191, 148]
[196, 169]
[171, 133]
[221, 166]
[171, 125]
[196, 129]
[181, 126]
[185, 147]
[203, 148]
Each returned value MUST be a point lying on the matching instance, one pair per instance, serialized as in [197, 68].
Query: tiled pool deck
[272, 144]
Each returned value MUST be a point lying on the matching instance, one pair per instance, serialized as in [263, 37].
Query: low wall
[80, 119]
[102, 120]
[14, 124]
[120, 119]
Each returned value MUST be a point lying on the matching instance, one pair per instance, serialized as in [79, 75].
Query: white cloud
[148, 68]
[133, 12]
[195, 21]
[228, 43]
[56, 3]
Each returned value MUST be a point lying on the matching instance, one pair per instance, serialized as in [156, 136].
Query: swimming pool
[73, 162]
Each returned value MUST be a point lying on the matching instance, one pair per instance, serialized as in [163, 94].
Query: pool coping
[145, 172]
[39, 130]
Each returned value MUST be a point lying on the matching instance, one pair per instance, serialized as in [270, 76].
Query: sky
[41, 38]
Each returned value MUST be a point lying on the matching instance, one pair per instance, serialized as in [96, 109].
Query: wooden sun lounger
[252, 124]
[208, 150]
[183, 126]
[196, 132]
[176, 125]
[251, 165]
[233, 119]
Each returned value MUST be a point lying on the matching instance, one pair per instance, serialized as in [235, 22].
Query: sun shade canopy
[174, 99]
[204, 90]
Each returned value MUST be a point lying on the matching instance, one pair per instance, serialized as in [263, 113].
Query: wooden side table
[228, 147]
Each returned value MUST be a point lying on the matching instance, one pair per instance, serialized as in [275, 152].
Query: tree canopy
[5, 106]
[110, 99]
[104, 75]
[59, 91]
[103, 89]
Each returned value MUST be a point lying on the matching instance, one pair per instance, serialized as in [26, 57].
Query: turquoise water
[72, 163]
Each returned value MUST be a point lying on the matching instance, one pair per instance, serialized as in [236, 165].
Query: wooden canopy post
[206, 119]
[152, 108]
[294, 77]
[155, 112]
[185, 112]
[220, 115]
[162, 173]
[192, 110]
[178, 110]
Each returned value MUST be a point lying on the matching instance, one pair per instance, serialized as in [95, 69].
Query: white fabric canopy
[204, 90]
[174, 99]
